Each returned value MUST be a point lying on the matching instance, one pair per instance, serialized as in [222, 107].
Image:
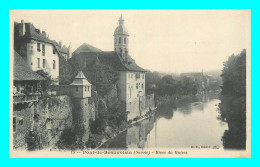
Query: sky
[172, 41]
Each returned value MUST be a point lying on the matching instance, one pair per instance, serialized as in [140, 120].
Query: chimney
[60, 44]
[44, 33]
[22, 29]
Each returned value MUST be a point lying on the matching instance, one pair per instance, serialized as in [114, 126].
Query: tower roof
[121, 29]
[80, 79]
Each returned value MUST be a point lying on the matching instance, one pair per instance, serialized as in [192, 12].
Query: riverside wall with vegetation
[39, 125]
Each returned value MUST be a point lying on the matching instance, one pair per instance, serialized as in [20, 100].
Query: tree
[233, 101]
[45, 85]
[102, 76]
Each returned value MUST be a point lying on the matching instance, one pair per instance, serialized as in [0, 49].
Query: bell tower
[121, 38]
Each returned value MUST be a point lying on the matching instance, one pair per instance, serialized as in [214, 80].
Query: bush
[45, 85]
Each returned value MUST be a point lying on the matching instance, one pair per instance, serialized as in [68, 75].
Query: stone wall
[22, 124]
[81, 115]
[149, 102]
[40, 123]
[140, 106]
[92, 110]
[133, 109]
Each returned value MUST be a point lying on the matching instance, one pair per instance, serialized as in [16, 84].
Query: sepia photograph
[130, 83]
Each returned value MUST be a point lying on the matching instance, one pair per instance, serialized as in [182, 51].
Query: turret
[80, 87]
[121, 37]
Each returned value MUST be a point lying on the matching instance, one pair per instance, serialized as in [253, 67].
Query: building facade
[131, 82]
[66, 52]
[37, 49]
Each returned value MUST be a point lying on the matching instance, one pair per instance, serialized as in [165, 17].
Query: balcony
[25, 98]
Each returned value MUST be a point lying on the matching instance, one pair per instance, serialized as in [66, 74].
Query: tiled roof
[33, 33]
[86, 48]
[64, 49]
[22, 72]
[110, 58]
[80, 79]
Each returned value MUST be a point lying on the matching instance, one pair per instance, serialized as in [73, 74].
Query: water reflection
[192, 123]
[134, 137]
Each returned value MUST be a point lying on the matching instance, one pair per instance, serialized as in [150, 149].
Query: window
[85, 88]
[38, 47]
[137, 76]
[54, 52]
[132, 76]
[115, 41]
[43, 49]
[88, 88]
[14, 124]
[54, 64]
[143, 76]
[136, 85]
[38, 62]
[21, 122]
[124, 40]
[119, 40]
[36, 117]
[43, 63]
[142, 85]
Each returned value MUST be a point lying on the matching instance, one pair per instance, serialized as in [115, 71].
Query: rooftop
[110, 58]
[121, 29]
[86, 48]
[22, 71]
[80, 79]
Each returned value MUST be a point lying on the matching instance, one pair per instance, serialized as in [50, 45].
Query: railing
[24, 98]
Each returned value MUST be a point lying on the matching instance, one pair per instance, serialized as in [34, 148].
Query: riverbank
[191, 123]
[174, 99]
[138, 119]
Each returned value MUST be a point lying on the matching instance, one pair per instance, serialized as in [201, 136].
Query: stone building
[65, 52]
[81, 91]
[199, 78]
[36, 49]
[131, 83]
[37, 121]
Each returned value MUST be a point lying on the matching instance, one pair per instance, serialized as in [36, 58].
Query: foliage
[114, 117]
[69, 139]
[117, 114]
[233, 100]
[66, 71]
[31, 140]
[170, 85]
[45, 85]
[102, 76]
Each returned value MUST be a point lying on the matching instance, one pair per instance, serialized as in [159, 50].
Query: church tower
[121, 38]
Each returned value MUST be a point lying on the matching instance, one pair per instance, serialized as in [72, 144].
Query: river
[194, 122]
